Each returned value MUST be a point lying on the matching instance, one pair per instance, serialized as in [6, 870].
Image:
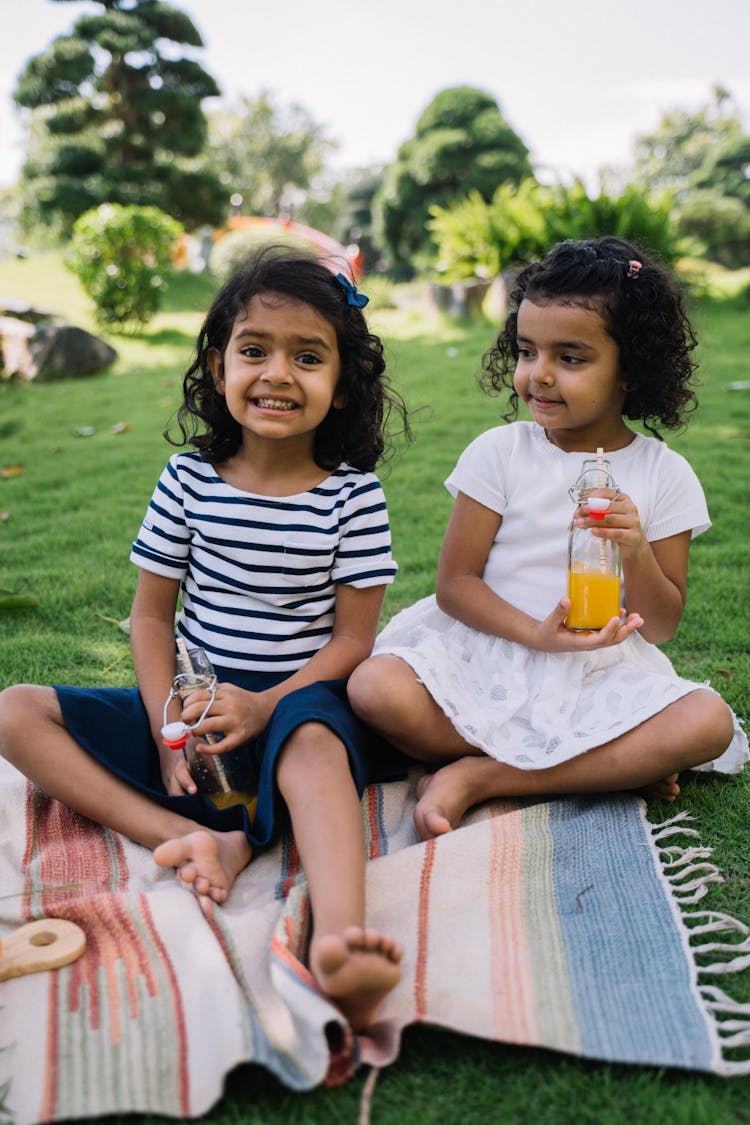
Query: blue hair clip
[352, 296]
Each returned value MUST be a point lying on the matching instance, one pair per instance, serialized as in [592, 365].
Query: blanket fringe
[365, 1102]
[687, 871]
[732, 1032]
[720, 922]
[684, 855]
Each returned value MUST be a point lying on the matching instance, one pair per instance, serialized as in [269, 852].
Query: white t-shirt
[515, 471]
[259, 573]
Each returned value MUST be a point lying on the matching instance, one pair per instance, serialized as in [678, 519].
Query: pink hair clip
[634, 268]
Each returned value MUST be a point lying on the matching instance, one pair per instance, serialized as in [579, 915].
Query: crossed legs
[355, 966]
[385, 692]
[34, 738]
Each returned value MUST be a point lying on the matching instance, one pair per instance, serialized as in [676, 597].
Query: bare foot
[356, 969]
[443, 798]
[207, 862]
[666, 789]
[423, 782]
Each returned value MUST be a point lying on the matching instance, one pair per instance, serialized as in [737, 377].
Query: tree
[115, 117]
[726, 169]
[343, 209]
[356, 220]
[671, 155]
[268, 154]
[718, 226]
[462, 143]
[705, 157]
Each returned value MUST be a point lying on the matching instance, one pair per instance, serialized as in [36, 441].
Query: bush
[234, 249]
[479, 239]
[474, 238]
[639, 216]
[719, 225]
[119, 255]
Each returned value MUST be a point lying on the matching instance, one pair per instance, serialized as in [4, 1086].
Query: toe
[354, 937]
[422, 784]
[331, 952]
[187, 874]
[201, 885]
[392, 949]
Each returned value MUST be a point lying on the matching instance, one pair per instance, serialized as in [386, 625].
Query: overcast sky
[577, 80]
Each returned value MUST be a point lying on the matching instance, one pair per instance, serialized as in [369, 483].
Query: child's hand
[237, 714]
[553, 636]
[175, 774]
[621, 524]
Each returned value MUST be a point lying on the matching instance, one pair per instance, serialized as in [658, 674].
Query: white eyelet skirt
[534, 709]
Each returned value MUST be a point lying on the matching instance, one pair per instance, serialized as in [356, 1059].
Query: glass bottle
[229, 778]
[594, 568]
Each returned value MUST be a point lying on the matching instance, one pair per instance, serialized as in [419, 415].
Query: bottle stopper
[175, 735]
[597, 506]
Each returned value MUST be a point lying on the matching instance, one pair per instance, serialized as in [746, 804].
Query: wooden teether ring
[38, 946]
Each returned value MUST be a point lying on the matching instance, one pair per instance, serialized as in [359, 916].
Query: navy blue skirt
[111, 724]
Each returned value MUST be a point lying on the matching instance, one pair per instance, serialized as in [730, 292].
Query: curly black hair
[357, 433]
[643, 311]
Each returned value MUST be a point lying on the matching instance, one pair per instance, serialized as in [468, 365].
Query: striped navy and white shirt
[259, 573]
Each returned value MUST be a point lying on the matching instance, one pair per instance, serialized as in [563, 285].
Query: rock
[496, 303]
[464, 298]
[9, 306]
[50, 351]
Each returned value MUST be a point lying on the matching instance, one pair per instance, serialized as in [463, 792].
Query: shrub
[719, 225]
[474, 238]
[636, 215]
[479, 239]
[119, 254]
[233, 250]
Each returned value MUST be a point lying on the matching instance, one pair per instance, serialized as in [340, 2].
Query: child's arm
[463, 593]
[152, 643]
[242, 715]
[654, 574]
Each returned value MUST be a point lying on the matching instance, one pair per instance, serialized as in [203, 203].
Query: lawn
[70, 506]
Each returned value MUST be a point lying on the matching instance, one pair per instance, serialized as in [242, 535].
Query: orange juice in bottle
[594, 597]
[593, 563]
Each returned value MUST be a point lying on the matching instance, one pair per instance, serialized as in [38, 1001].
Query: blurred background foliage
[113, 113]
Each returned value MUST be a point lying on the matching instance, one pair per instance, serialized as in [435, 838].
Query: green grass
[70, 517]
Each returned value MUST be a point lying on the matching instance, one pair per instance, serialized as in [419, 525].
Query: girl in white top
[484, 679]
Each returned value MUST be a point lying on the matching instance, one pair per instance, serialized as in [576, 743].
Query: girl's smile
[280, 369]
[568, 374]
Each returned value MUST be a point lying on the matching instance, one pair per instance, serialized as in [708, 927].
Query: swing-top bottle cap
[175, 735]
[597, 506]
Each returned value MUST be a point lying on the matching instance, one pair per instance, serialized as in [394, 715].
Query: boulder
[9, 306]
[496, 302]
[462, 299]
[50, 351]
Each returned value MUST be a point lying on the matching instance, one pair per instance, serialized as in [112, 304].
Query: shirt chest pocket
[307, 561]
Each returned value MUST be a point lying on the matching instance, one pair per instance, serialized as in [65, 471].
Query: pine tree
[462, 143]
[115, 116]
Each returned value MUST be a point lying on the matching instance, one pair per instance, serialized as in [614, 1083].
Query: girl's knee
[24, 702]
[375, 686]
[24, 709]
[714, 728]
[722, 724]
[309, 751]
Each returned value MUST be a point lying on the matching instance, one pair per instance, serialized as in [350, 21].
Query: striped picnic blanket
[552, 924]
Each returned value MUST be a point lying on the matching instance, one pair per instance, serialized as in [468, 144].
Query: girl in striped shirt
[273, 537]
